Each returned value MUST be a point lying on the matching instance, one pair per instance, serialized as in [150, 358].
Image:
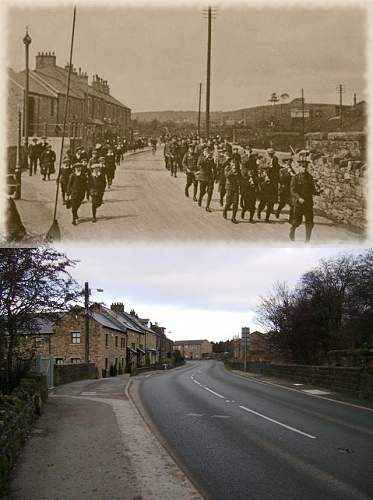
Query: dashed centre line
[277, 422]
[293, 429]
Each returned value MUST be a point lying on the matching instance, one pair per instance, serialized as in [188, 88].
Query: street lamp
[26, 40]
[87, 292]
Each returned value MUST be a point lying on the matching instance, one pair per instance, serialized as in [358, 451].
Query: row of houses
[93, 113]
[118, 341]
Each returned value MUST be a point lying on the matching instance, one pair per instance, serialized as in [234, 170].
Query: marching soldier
[33, 153]
[286, 174]
[206, 176]
[47, 159]
[97, 185]
[110, 167]
[76, 189]
[64, 176]
[190, 167]
[302, 190]
[233, 176]
[248, 194]
[223, 161]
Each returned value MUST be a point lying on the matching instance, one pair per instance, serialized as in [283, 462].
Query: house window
[122, 343]
[116, 362]
[75, 337]
[116, 341]
[58, 361]
[106, 339]
[75, 360]
[53, 106]
[133, 345]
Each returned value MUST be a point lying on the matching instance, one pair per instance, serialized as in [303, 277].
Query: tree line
[331, 307]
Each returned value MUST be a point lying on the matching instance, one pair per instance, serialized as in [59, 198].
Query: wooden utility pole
[303, 127]
[199, 110]
[340, 90]
[208, 77]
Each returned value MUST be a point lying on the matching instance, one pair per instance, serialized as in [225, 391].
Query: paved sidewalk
[91, 443]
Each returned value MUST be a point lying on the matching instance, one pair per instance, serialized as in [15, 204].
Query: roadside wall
[349, 380]
[64, 374]
[340, 169]
[18, 411]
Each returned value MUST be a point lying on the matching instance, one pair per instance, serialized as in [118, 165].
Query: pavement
[241, 438]
[91, 443]
[146, 204]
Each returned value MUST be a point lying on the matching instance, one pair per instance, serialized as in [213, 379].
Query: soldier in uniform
[233, 176]
[64, 176]
[206, 176]
[47, 159]
[76, 189]
[248, 194]
[173, 155]
[269, 187]
[286, 174]
[97, 185]
[110, 167]
[33, 153]
[190, 167]
[302, 190]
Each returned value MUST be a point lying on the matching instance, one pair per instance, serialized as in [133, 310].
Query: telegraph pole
[208, 77]
[199, 110]
[340, 90]
[303, 128]
[26, 40]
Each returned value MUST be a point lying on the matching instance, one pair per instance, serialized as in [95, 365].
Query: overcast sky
[194, 291]
[154, 58]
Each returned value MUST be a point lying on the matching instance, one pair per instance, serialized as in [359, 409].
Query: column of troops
[256, 183]
[83, 174]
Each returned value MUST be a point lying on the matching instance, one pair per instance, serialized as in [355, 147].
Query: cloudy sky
[194, 291]
[154, 58]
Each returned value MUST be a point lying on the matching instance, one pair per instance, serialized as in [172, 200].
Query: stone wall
[64, 374]
[18, 412]
[340, 169]
[350, 380]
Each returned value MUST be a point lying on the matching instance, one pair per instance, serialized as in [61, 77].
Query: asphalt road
[244, 439]
[146, 203]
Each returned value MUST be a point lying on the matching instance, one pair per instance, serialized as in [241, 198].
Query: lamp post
[87, 292]
[26, 40]
[18, 169]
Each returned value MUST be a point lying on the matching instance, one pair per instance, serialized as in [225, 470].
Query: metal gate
[44, 364]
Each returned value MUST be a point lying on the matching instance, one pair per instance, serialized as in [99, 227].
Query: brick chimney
[100, 85]
[45, 59]
[117, 307]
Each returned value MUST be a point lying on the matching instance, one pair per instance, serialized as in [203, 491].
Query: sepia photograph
[190, 124]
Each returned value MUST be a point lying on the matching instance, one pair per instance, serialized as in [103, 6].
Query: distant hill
[165, 116]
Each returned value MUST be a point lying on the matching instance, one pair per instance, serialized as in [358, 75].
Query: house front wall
[106, 347]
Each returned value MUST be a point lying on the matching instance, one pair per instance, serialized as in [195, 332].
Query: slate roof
[106, 322]
[121, 319]
[56, 77]
[34, 86]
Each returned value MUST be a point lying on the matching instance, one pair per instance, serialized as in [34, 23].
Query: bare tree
[34, 283]
[274, 98]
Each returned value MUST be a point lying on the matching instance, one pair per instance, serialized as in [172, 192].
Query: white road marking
[220, 416]
[277, 422]
[213, 392]
[297, 384]
[196, 382]
[195, 414]
[88, 393]
[316, 392]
